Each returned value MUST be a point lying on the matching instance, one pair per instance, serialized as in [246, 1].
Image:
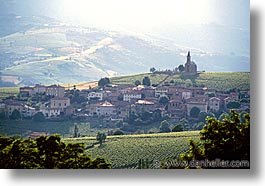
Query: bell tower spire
[188, 57]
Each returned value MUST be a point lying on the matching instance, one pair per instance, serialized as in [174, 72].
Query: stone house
[105, 109]
[26, 91]
[214, 104]
[50, 112]
[201, 105]
[95, 96]
[130, 95]
[60, 103]
[55, 90]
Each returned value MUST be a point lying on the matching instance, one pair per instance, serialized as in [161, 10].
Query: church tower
[190, 66]
[188, 57]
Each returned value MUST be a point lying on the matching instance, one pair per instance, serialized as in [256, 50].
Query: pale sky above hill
[152, 13]
[145, 14]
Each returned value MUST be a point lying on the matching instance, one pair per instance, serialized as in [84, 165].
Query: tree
[152, 70]
[75, 132]
[146, 81]
[177, 128]
[181, 68]
[156, 115]
[46, 152]
[194, 112]
[198, 126]
[15, 115]
[2, 115]
[223, 116]
[164, 100]
[233, 105]
[103, 82]
[119, 124]
[137, 82]
[164, 127]
[101, 137]
[39, 117]
[185, 123]
[118, 132]
[202, 116]
[172, 81]
[226, 140]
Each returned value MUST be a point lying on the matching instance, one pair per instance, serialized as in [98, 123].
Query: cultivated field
[8, 91]
[221, 81]
[126, 151]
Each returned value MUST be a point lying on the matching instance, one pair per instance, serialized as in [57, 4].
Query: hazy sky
[137, 13]
[150, 13]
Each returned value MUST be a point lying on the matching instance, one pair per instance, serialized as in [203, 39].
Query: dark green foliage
[39, 117]
[143, 164]
[156, 115]
[181, 68]
[103, 82]
[198, 126]
[164, 99]
[164, 127]
[223, 116]
[211, 95]
[119, 124]
[194, 112]
[76, 132]
[177, 128]
[15, 115]
[101, 137]
[233, 105]
[137, 82]
[228, 139]
[45, 153]
[2, 115]
[118, 132]
[146, 81]
[202, 116]
[152, 70]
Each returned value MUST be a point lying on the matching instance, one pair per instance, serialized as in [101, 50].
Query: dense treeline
[46, 153]
[223, 143]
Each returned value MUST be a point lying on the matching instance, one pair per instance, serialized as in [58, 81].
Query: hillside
[126, 151]
[222, 81]
[38, 49]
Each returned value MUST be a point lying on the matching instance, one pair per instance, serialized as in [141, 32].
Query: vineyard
[126, 151]
[221, 81]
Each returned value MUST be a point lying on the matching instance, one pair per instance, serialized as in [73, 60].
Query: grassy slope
[125, 151]
[217, 80]
[8, 91]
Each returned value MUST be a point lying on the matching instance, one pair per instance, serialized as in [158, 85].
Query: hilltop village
[139, 104]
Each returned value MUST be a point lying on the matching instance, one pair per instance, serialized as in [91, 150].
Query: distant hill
[38, 49]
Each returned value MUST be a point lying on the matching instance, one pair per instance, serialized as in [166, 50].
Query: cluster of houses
[57, 105]
[115, 102]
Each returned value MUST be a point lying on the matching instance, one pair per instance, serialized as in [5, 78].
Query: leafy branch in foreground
[222, 141]
[46, 153]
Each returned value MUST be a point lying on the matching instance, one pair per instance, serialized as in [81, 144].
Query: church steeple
[188, 57]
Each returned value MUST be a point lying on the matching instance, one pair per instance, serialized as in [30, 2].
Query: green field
[25, 127]
[130, 79]
[8, 91]
[221, 81]
[126, 151]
